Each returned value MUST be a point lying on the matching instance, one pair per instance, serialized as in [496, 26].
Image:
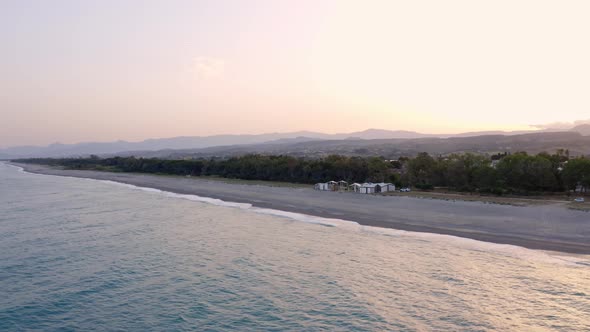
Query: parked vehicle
[579, 200]
[405, 190]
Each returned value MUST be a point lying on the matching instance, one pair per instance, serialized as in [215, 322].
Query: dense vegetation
[518, 173]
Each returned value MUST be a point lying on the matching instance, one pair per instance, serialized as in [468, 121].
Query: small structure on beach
[327, 186]
[332, 186]
[355, 187]
[364, 188]
[322, 186]
[375, 188]
[385, 187]
[342, 185]
[368, 188]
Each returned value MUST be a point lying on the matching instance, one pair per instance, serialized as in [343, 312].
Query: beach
[543, 227]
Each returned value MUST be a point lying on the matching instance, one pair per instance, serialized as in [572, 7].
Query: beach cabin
[368, 188]
[372, 188]
[386, 187]
[332, 185]
[342, 185]
[355, 187]
[322, 186]
[378, 188]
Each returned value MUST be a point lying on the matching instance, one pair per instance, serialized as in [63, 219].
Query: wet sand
[545, 227]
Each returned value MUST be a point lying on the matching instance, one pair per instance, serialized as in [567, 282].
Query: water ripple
[84, 255]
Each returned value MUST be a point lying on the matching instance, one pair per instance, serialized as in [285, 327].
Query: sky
[76, 71]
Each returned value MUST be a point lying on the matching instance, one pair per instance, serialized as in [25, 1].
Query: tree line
[518, 173]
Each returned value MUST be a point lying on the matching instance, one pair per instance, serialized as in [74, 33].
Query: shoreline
[550, 228]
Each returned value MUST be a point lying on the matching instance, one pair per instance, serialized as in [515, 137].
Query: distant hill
[370, 141]
[381, 134]
[393, 148]
[190, 142]
[583, 129]
[494, 132]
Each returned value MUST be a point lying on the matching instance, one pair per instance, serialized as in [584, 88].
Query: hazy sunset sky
[74, 71]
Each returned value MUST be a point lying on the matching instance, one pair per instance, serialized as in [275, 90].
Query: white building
[342, 185]
[355, 187]
[364, 188]
[322, 186]
[367, 188]
[332, 186]
[375, 188]
[385, 187]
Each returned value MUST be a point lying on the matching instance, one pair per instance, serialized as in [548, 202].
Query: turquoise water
[83, 255]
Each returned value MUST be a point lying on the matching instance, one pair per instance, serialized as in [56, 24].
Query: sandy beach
[545, 227]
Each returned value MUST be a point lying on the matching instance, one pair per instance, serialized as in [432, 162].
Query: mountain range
[264, 142]
[534, 143]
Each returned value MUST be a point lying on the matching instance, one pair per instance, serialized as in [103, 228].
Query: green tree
[577, 173]
[420, 170]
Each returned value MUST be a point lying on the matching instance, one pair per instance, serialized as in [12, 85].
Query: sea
[88, 255]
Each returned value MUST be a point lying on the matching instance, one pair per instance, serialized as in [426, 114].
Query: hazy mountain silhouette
[393, 148]
[583, 129]
[204, 142]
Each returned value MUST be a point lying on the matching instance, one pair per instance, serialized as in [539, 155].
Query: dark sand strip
[546, 227]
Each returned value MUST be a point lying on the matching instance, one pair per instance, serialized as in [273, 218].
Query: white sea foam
[504, 249]
[18, 168]
[209, 200]
[307, 218]
[244, 206]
